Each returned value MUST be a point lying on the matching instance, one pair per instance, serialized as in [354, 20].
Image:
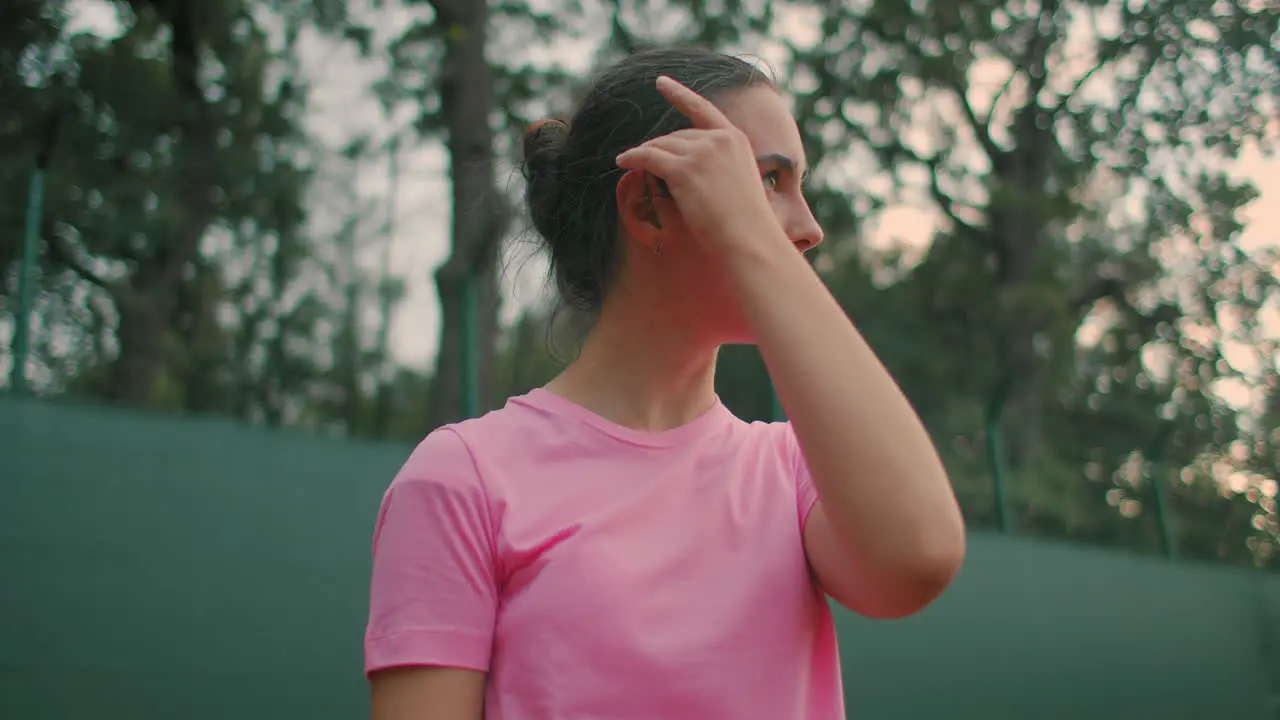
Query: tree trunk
[1018, 225]
[147, 306]
[447, 393]
[140, 362]
[480, 214]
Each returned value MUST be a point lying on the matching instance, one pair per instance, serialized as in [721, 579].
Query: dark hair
[570, 167]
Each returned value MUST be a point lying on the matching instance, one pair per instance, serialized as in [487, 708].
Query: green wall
[190, 569]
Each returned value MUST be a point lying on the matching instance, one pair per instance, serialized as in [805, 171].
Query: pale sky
[421, 241]
[342, 106]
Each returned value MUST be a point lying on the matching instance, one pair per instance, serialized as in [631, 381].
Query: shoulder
[442, 458]
[518, 419]
[453, 455]
[780, 441]
[774, 442]
[774, 437]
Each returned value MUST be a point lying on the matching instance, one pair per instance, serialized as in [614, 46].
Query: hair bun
[544, 143]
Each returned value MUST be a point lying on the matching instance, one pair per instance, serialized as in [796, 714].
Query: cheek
[777, 203]
[708, 298]
[699, 276]
[792, 206]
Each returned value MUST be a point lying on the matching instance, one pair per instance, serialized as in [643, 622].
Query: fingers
[653, 160]
[680, 140]
[676, 144]
[701, 112]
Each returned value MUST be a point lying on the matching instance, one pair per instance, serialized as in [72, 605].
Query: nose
[805, 232]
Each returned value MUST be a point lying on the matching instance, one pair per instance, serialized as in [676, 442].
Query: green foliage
[1071, 150]
[1083, 286]
[237, 333]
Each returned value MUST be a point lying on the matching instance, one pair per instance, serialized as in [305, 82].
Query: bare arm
[886, 537]
[427, 693]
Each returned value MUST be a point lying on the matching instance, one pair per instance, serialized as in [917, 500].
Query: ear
[644, 209]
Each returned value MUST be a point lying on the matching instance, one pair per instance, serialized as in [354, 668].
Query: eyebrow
[782, 161]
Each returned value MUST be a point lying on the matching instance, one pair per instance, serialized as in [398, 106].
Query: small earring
[657, 248]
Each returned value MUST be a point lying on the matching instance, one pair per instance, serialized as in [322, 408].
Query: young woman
[617, 545]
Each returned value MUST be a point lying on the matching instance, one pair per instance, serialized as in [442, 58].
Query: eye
[772, 179]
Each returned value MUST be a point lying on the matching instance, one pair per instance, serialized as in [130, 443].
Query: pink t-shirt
[600, 572]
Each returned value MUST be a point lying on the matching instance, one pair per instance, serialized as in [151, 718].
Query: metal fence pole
[27, 267]
[1164, 517]
[999, 466]
[1167, 537]
[26, 283]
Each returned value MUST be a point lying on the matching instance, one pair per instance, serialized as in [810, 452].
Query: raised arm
[886, 535]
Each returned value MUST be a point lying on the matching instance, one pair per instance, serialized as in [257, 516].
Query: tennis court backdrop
[193, 569]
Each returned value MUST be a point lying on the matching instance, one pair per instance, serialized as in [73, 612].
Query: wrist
[773, 281]
[749, 243]
[761, 253]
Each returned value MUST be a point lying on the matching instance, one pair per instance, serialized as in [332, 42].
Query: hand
[710, 169]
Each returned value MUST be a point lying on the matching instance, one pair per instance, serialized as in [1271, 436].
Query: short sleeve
[433, 595]
[806, 493]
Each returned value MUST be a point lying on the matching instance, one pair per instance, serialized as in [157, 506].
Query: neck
[639, 374]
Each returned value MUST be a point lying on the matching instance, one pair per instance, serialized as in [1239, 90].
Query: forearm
[877, 474]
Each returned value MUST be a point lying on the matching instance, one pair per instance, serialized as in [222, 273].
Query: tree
[1067, 148]
[444, 62]
[128, 310]
[139, 174]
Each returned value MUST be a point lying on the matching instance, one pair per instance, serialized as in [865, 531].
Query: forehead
[763, 115]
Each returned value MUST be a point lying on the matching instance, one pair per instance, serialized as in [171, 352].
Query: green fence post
[470, 345]
[999, 467]
[1164, 518]
[26, 282]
